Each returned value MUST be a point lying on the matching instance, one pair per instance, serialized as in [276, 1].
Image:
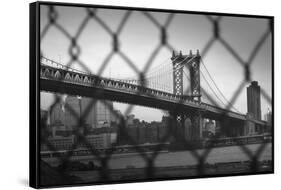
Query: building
[116, 116]
[100, 138]
[59, 143]
[130, 120]
[99, 113]
[57, 114]
[165, 120]
[100, 141]
[61, 130]
[254, 100]
[89, 105]
[72, 109]
[268, 117]
[104, 111]
[209, 129]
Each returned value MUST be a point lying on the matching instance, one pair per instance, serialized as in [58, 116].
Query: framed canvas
[123, 94]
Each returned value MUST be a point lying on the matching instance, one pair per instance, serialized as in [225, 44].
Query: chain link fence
[104, 172]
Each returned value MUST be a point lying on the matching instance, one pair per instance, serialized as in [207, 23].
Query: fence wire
[75, 50]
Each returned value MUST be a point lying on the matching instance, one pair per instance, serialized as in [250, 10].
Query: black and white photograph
[137, 94]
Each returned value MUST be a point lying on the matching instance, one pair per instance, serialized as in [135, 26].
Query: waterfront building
[99, 141]
[61, 130]
[59, 143]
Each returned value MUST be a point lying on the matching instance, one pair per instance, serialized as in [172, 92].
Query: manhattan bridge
[153, 90]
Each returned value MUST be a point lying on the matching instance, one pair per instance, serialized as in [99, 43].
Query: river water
[185, 158]
[179, 158]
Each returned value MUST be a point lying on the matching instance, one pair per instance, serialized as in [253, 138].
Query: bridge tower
[192, 63]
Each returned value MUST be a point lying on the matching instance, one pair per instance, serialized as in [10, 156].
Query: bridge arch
[67, 76]
[77, 78]
[57, 75]
[86, 79]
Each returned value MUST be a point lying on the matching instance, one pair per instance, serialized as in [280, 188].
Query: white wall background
[14, 92]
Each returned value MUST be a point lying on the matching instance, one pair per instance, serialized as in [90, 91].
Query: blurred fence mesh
[74, 50]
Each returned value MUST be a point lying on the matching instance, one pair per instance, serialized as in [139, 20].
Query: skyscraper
[254, 100]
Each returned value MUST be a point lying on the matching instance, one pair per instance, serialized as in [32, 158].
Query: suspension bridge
[173, 86]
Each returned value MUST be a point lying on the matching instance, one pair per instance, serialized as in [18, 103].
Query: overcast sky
[140, 37]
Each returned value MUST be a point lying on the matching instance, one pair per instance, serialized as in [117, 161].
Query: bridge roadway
[73, 82]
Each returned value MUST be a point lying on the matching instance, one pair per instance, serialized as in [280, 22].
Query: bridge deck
[72, 82]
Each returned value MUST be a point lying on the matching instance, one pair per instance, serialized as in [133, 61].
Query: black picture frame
[35, 132]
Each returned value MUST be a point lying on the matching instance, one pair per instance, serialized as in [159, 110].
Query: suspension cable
[220, 92]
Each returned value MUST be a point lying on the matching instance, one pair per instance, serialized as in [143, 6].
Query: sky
[140, 37]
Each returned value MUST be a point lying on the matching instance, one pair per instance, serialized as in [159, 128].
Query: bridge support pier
[226, 127]
[249, 125]
[218, 128]
[178, 126]
[196, 126]
[187, 131]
